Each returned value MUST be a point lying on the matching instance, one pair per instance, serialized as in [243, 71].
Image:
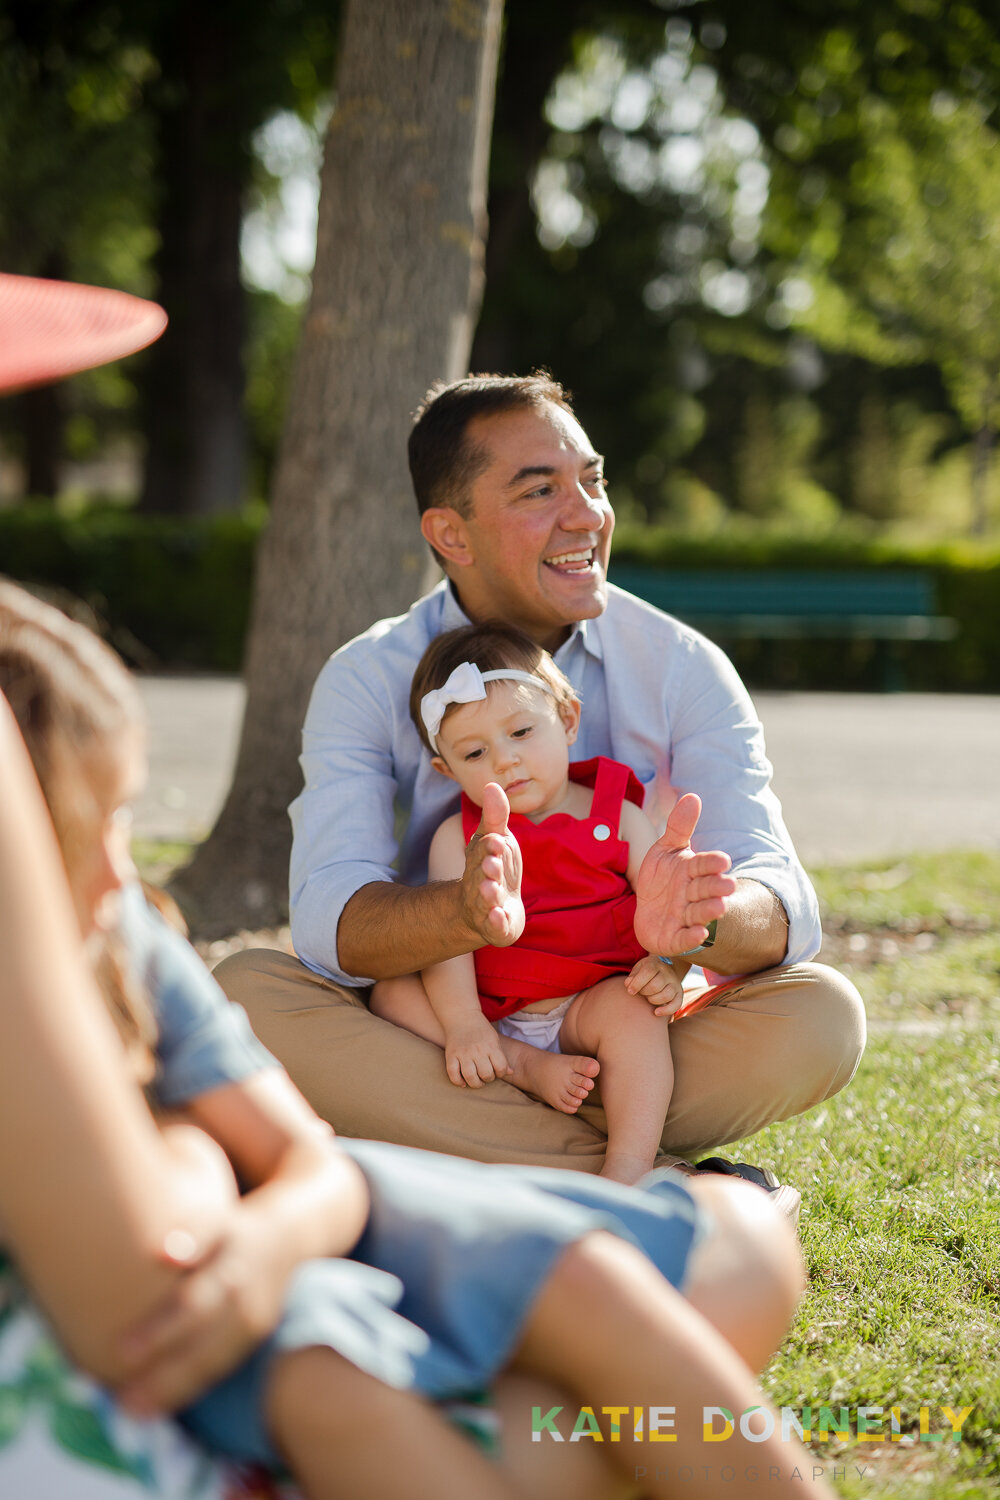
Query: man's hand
[658, 982]
[491, 885]
[221, 1310]
[679, 892]
[473, 1054]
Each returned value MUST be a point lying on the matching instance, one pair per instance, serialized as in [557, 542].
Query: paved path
[860, 775]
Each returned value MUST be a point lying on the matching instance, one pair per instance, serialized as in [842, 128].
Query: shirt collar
[588, 635]
[453, 616]
[585, 632]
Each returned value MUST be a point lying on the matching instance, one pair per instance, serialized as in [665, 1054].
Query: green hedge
[169, 592]
[966, 577]
[176, 593]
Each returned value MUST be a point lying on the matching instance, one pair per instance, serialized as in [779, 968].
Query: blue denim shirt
[656, 695]
[204, 1042]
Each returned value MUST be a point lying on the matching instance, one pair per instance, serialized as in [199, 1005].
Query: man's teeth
[566, 558]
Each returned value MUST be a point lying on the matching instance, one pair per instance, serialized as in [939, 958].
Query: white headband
[467, 685]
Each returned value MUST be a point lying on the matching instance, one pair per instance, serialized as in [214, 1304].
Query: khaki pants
[765, 1050]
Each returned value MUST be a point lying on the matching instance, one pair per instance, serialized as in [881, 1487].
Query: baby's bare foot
[564, 1082]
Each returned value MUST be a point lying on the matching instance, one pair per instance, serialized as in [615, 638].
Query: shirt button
[602, 832]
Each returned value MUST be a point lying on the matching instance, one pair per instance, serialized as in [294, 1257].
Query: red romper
[579, 907]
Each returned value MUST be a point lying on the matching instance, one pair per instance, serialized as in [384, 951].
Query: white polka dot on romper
[602, 832]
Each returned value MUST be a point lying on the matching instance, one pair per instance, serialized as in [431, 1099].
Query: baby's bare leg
[346, 1436]
[563, 1082]
[632, 1046]
[404, 1002]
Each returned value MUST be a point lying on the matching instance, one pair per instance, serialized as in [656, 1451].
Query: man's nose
[584, 511]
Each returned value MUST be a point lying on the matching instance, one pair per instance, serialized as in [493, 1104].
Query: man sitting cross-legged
[513, 502]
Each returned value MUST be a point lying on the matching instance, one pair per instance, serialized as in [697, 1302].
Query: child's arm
[658, 981]
[473, 1052]
[306, 1200]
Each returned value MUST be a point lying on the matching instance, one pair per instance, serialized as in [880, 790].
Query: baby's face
[516, 737]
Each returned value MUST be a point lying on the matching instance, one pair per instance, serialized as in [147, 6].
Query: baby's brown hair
[71, 695]
[491, 647]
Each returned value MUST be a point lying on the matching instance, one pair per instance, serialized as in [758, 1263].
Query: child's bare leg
[548, 1471]
[561, 1079]
[610, 1329]
[637, 1073]
[404, 1002]
[563, 1082]
[346, 1436]
[746, 1275]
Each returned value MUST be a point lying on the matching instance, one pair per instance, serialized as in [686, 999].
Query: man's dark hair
[443, 461]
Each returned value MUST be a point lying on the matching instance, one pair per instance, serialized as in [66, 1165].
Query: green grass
[157, 859]
[922, 891]
[900, 1177]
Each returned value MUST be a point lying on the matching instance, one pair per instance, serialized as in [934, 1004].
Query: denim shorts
[436, 1293]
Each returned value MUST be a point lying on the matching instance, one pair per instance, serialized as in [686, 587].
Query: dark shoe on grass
[787, 1200]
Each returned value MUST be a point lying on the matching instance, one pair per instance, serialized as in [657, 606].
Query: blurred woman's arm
[97, 1211]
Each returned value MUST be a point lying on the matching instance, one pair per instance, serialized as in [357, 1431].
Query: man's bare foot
[564, 1082]
[622, 1168]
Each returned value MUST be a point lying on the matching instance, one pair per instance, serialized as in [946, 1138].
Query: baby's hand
[658, 982]
[473, 1054]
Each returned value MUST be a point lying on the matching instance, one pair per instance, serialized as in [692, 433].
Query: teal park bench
[887, 607]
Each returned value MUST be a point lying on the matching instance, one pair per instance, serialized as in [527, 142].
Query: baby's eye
[475, 755]
[519, 734]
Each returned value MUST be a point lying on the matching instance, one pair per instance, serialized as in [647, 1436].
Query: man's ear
[569, 713]
[445, 530]
[442, 765]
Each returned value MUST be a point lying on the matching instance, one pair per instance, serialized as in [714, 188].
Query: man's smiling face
[538, 533]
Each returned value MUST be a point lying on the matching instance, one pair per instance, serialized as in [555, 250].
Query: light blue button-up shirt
[656, 695]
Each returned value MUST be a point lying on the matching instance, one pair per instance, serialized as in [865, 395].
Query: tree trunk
[41, 423]
[193, 391]
[397, 281]
[537, 46]
[43, 415]
[982, 449]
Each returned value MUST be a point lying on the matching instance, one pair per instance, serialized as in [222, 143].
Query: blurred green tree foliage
[928, 213]
[697, 163]
[126, 158]
[693, 223]
[76, 174]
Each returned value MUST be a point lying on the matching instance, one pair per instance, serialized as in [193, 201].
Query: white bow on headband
[467, 685]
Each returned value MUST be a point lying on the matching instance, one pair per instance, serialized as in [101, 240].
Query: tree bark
[193, 391]
[396, 285]
[982, 449]
[43, 415]
[537, 46]
[42, 428]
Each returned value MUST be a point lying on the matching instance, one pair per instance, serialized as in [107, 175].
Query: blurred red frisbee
[50, 329]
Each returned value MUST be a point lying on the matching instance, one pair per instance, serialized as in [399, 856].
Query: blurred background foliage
[759, 243]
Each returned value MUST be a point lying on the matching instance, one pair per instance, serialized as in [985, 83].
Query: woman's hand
[220, 1310]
